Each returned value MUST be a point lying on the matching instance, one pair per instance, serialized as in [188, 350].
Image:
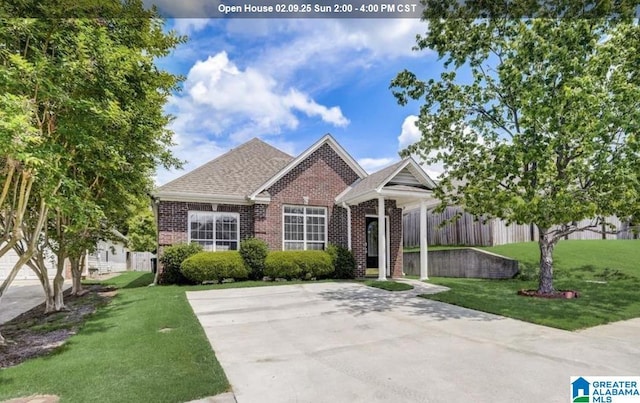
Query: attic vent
[200, 207]
[405, 177]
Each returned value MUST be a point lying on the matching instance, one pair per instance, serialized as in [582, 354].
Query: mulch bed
[34, 333]
[561, 294]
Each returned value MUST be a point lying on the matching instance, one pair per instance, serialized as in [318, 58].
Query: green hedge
[215, 266]
[254, 251]
[171, 259]
[343, 262]
[304, 264]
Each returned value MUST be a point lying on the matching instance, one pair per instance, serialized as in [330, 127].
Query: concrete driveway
[345, 342]
[22, 296]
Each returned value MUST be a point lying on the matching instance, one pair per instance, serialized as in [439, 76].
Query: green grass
[389, 285]
[120, 355]
[606, 273]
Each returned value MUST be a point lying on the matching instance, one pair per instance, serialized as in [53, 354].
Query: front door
[372, 242]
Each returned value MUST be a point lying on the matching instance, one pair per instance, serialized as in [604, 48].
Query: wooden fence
[471, 231]
[140, 261]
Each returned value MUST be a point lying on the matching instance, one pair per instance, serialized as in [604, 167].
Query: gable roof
[326, 139]
[404, 178]
[230, 177]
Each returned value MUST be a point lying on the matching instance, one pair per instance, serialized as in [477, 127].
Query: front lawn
[389, 285]
[606, 273]
[146, 345]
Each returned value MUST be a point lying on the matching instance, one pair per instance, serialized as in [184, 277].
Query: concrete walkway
[22, 296]
[345, 342]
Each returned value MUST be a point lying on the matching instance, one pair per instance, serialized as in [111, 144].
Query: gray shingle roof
[372, 181]
[238, 172]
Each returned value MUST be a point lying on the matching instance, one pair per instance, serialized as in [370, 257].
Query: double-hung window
[305, 227]
[214, 231]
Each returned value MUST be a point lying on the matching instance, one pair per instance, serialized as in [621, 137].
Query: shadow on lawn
[363, 300]
[142, 281]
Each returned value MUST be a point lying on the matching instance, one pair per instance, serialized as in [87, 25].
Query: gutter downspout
[345, 206]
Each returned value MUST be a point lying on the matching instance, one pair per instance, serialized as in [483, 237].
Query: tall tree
[98, 98]
[536, 115]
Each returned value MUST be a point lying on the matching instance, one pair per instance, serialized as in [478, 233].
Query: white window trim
[214, 214]
[304, 215]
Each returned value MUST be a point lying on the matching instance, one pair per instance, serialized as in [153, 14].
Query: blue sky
[290, 81]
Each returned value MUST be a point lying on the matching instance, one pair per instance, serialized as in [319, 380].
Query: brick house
[321, 196]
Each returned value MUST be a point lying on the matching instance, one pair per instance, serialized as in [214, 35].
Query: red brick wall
[321, 177]
[173, 220]
[358, 235]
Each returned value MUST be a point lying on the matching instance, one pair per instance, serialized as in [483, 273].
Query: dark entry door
[372, 242]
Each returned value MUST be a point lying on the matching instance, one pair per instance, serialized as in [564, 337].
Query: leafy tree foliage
[142, 231]
[95, 97]
[535, 119]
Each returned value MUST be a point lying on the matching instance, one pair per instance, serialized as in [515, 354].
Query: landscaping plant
[172, 258]
[215, 266]
[254, 252]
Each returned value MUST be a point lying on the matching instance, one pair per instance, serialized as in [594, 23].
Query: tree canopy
[534, 119]
[89, 91]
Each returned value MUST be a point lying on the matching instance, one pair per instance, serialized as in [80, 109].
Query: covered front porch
[374, 209]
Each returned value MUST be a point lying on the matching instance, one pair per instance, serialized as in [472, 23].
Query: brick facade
[358, 235]
[316, 182]
[173, 220]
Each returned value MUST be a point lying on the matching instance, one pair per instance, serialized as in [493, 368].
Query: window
[305, 228]
[214, 231]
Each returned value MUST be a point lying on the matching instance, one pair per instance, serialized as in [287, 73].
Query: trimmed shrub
[344, 263]
[304, 264]
[254, 252]
[171, 259]
[215, 266]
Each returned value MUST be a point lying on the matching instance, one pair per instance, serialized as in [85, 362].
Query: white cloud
[410, 132]
[303, 103]
[186, 26]
[221, 98]
[373, 164]
[351, 44]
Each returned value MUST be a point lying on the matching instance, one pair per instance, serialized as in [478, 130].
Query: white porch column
[382, 241]
[424, 275]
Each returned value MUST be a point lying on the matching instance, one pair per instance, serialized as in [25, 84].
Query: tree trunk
[58, 283]
[77, 267]
[546, 243]
[39, 267]
[58, 296]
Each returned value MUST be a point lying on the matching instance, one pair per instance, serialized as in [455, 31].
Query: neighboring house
[109, 256]
[306, 202]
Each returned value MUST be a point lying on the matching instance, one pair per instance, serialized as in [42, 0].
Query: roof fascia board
[422, 175]
[393, 174]
[201, 197]
[428, 181]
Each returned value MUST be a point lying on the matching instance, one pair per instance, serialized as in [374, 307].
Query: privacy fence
[471, 231]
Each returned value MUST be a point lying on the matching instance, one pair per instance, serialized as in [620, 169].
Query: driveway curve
[345, 342]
